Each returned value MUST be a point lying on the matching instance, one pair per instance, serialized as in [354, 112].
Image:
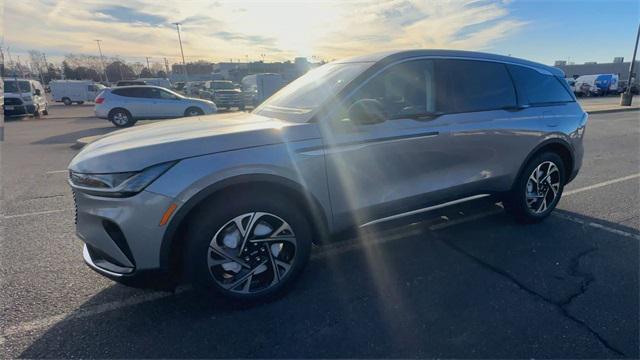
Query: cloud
[219, 30]
[129, 15]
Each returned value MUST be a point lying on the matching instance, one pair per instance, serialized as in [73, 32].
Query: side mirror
[37, 92]
[367, 111]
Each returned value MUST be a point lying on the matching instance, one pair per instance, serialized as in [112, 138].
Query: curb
[614, 110]
[80, 143]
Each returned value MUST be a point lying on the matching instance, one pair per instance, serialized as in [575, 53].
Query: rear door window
[535, 88]
[470, 85]
[130, 92]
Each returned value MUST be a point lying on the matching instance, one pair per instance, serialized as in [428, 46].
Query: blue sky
[218, 30]
[576, 30]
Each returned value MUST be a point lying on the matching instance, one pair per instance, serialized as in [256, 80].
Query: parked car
[24, 97]
[130, 82]
[597, 85]
[123, 106]
[235, 202]
[74, 91]
[225, 94]
[162, 82]
[257, 88]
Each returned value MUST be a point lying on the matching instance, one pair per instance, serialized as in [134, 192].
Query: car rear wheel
[193, 111]
[247, 245]
[66, 101]
[121, 118]
[538, 189]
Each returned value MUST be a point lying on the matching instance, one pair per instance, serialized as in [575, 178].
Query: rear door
[135, 100]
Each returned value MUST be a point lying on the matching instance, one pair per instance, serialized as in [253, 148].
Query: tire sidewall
[129, 122]
[199, 112]
[220, 210]
[519, 194]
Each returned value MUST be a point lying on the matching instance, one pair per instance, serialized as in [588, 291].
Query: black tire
[121, 118]
[219, 211]
[515, 202]
[80, 102]
[193, 111]
[67, 101]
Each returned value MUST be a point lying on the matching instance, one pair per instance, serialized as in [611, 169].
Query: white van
[24, 97]
[161, 82]
[596, 85]
[74, 91]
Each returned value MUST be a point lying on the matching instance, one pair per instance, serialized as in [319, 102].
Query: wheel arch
[193, 106]
[556, 145]
[118, 108]
[172, 244]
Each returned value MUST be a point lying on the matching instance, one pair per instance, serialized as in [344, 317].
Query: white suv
[123, 106]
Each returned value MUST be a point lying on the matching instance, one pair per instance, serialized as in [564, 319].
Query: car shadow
[71, 137]
[436, 286]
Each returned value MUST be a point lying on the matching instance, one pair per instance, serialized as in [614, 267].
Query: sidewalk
[595, 105]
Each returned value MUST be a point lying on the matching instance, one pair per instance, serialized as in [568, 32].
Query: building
[618, 66]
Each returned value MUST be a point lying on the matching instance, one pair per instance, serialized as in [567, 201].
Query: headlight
[118, 184]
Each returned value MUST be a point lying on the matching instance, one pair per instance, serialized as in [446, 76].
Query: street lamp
[627, 96]
[104, 68]
[184, 64]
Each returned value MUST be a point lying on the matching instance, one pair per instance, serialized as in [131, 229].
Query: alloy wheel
[543, 187]
[120, 118]
[252, 253]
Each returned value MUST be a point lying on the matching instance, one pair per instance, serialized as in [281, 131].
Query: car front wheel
[247, 246]
[193, 111]
[538, 190]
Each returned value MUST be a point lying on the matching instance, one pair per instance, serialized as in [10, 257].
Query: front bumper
[122, 236]
[18, 110]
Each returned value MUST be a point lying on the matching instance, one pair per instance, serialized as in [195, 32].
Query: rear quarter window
[535, 88]
[130, 92]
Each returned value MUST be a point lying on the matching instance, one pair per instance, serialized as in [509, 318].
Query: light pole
[104, 69]
[627, 96]
[184, 64]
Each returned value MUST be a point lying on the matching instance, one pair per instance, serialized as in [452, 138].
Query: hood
[142, 146]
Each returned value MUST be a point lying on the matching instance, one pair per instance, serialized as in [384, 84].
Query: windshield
[298, 101]
[12, 86]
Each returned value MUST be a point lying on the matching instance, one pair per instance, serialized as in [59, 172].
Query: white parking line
[56, 171]
[91, 311]
[33, 213]
[597, 225]
[599, 185]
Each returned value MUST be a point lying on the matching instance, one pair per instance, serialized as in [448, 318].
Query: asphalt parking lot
[468, 282]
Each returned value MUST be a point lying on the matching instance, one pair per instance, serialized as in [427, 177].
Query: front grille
[12, 101]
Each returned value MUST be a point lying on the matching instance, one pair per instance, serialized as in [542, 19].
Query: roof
[393, 56]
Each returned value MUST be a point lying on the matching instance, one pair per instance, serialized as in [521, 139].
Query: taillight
[99, 100]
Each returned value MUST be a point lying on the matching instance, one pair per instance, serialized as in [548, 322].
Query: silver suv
[234, 202]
